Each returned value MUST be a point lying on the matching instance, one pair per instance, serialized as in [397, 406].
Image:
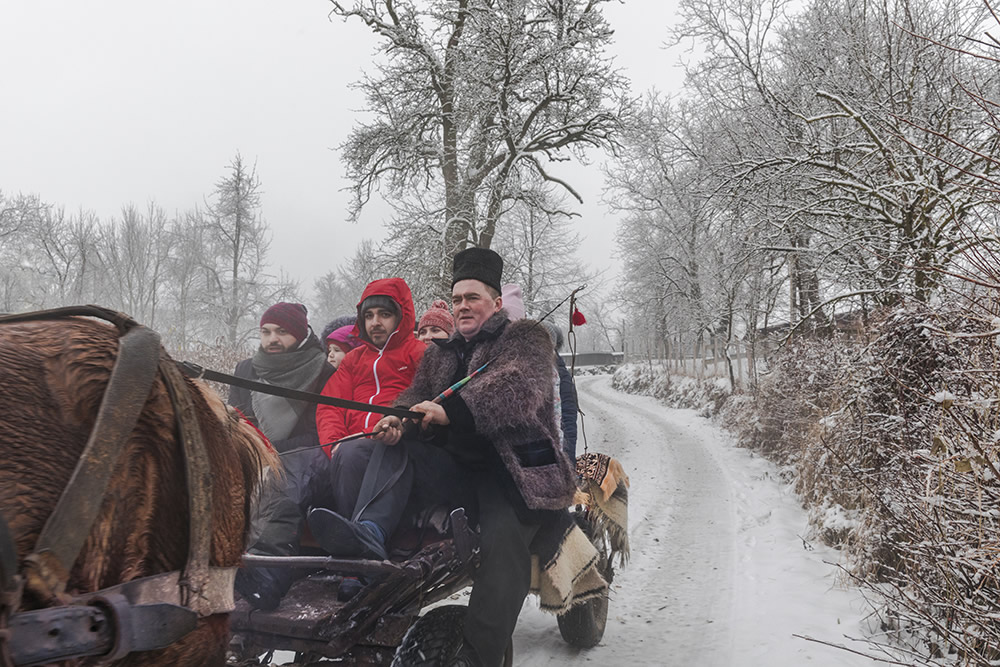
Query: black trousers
[503, 577]
[415, 474]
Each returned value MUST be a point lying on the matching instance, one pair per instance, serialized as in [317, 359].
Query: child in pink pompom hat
[339, 343]
[437, 322]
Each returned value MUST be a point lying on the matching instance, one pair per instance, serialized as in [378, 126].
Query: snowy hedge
[654, 379]
[895, 448]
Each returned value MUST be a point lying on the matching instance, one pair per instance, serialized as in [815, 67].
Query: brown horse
[53, 375]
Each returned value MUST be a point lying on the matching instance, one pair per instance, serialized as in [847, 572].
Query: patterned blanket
[604, 491]
[567, 568]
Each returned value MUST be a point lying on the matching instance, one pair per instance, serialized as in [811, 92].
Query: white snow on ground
[720, 573]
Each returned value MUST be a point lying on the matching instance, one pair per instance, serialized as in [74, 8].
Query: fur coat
[511, 403]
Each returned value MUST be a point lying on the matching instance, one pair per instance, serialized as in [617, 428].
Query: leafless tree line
[198, 277]
[823, 158]
[202, 277]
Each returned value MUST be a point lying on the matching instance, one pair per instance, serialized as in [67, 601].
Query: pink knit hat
[289, 316]
[437, 315]
[513, 302]
[343, 339]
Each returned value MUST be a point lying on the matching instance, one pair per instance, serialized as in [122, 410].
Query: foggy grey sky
[116, 101]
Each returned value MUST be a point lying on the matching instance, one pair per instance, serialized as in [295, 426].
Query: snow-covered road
[720, 575]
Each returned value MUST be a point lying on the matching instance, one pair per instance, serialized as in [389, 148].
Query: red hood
[397, 290]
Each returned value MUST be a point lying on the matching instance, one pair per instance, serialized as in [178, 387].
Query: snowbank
[893, 446]
[654, 379]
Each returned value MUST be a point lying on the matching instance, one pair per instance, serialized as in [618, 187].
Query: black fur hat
[480, 264]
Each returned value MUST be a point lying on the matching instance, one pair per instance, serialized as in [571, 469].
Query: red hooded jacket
[371, 375]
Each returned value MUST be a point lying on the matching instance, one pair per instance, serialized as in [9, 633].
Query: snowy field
[720, 573]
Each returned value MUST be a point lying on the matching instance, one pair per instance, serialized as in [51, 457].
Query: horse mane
[255, 453]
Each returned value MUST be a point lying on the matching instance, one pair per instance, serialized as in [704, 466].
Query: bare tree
[686, 250]
[188, 280]
[62, 253]
[338, 292]
[134, 251]
[238, 285]
[472, 97]
[18, 215]
[539, 248]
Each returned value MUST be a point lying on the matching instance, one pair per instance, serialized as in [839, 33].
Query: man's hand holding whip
[389, 429]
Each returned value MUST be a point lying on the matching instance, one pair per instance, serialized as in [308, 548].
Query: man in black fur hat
[492, 448]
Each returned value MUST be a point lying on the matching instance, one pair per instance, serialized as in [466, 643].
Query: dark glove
[263, 587]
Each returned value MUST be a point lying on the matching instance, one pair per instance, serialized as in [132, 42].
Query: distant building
[594, 358]
[850, 323]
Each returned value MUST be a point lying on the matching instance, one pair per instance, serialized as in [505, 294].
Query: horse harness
[139, 615]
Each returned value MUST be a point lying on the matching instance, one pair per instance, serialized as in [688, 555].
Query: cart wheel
[435, 639]
[583, 624]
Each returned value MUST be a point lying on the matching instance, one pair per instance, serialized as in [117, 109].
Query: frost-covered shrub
[676, 391]
[894, 444]
[603, 369]
[791, 398]
[918, 429]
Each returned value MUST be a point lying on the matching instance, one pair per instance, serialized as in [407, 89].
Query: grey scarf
[297, 369]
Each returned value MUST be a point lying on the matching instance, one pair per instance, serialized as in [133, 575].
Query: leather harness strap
[8, 558]
[195, 371]
[70, 523]
[194, 580]
[122, 321]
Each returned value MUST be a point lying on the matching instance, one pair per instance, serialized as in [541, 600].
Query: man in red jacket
[374, 372]
[380, 368]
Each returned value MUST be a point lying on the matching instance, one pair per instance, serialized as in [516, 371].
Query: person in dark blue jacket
[569, 405]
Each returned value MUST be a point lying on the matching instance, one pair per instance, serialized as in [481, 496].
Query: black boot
[344, 538]
[349, 587]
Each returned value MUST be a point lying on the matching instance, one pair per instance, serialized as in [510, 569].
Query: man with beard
[375, 372]
[290, 356]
